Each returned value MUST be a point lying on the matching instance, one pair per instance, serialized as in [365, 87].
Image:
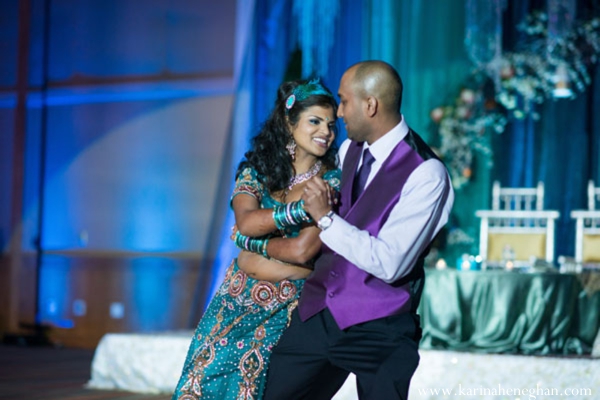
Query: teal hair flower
[304, 91]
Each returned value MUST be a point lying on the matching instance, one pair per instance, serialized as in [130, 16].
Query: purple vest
[352, 295]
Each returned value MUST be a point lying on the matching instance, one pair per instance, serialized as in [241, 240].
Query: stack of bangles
[255, 245]
[290, 214]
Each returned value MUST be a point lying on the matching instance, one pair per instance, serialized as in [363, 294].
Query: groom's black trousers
[313, 358]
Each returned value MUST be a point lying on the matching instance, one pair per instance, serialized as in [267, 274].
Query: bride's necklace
[297, 179]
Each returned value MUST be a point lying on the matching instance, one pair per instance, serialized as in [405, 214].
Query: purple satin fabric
[352, 295]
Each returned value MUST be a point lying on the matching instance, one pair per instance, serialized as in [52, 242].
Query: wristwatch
[325, 221]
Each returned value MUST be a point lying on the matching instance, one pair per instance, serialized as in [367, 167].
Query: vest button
[333, 273]
[331, 294]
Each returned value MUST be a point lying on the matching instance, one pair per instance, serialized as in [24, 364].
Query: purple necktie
[360, 180]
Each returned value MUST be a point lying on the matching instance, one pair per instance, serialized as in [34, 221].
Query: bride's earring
[291, 148]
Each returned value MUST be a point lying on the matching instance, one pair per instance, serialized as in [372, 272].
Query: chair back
[587, 228]
[593, 195]
[517, 198]
[517, 226]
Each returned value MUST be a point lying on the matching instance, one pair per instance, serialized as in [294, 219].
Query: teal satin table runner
[510, 312]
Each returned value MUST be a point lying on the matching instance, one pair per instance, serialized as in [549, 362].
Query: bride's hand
[234, 230]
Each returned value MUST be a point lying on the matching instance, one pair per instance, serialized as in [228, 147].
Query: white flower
[468, 96]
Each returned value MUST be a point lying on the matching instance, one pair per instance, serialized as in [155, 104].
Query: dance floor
[49, 373]
[151, 363]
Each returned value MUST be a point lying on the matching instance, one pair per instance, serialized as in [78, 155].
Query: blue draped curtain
[561, 148]
[267, 43]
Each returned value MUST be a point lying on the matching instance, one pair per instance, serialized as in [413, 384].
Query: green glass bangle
[290, 214]
[254, 245]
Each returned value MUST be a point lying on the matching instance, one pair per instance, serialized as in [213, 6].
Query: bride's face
[315, 131]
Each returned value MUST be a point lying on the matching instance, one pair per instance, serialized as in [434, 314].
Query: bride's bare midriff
[263, 269]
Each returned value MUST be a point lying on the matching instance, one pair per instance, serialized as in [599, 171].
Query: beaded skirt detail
[229, 354]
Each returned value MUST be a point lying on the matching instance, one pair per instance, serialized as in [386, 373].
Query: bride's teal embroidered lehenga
[229, 354]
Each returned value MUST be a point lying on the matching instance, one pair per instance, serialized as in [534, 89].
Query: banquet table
[501, 311]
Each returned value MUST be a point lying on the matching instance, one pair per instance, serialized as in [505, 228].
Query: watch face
[325, 222]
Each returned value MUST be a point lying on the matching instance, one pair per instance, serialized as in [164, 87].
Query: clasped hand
[317, 198]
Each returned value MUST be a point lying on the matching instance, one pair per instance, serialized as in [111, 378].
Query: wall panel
[86, 295]
[125, 131]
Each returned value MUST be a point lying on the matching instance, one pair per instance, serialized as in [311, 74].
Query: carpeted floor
[46, 373]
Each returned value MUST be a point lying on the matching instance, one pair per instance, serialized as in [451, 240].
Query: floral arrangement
[538, 70]
[510, 87]
[465, 126]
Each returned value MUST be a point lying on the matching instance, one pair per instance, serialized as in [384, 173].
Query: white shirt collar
[382, 147]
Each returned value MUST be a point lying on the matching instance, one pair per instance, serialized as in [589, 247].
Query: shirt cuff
[331, 236]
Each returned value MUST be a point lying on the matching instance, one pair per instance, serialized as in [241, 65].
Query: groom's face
[350, 109]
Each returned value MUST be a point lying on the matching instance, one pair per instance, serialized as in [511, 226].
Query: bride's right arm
[289, 257]
[250, 219]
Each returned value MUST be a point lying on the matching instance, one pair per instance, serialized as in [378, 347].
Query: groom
[357, 311]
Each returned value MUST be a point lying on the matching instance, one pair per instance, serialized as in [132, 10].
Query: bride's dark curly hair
[268, 155]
